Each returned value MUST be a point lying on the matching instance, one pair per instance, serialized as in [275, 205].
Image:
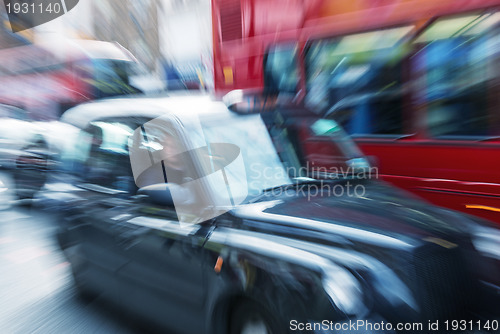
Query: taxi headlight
[486, 240]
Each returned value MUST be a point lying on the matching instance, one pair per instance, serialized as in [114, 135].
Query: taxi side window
[108, 163]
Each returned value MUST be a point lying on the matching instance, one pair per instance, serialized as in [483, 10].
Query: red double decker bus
[415, 82]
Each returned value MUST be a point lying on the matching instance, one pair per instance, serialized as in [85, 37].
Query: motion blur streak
[137, 195]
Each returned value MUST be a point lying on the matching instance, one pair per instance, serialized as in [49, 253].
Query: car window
[100, 156]
[108, 163]
[159, 155]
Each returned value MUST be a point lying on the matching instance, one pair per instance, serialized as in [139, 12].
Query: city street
[36, 289]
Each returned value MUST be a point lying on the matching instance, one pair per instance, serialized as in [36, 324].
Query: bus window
[453, 71]
[280, 69]
[112, 77]
[358, 80]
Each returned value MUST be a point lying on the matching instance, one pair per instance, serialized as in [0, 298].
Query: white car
[16, 132]
[28, 147]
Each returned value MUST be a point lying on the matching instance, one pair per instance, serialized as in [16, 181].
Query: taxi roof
[181, 106]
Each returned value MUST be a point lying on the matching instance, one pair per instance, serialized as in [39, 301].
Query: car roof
[182, 106]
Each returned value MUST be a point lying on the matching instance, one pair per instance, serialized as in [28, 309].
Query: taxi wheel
[83, 291]
[249, 318]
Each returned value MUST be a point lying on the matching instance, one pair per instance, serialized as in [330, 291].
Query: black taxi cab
[205, 220]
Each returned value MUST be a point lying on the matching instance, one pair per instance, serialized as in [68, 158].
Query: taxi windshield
[274, 149]
[257, 165]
